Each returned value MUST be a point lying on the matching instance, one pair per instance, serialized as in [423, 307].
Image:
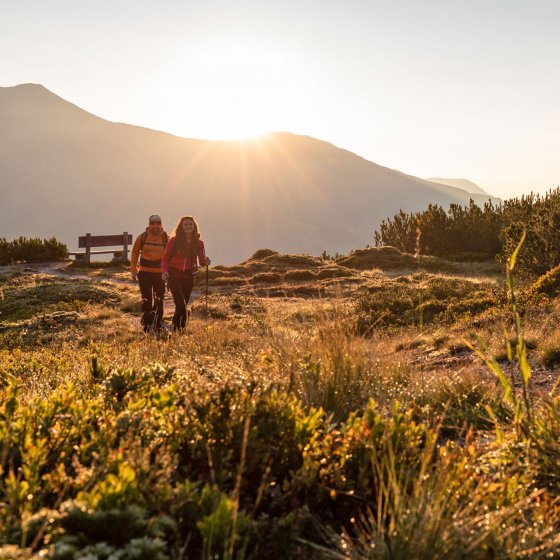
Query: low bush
[262, 254]
[550, 350]
[545, 444]
[289, 260]
[215, 272]
[548, 284]
[300, 275]
[458, 347]
[422, 299]
[45, 294]
[30, 250]
[446, 510]
[262, 440]
[334, 272]
[389, 258]
[266, 278]
[228, 281]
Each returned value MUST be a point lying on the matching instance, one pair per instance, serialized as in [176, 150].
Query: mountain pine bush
[33, 249]
[482, 233]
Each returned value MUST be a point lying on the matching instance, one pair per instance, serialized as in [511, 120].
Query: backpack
[144, 236]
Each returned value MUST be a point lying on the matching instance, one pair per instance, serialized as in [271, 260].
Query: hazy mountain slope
[464, 184]
[65, 172]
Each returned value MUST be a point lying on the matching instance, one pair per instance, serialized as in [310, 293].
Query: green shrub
[550, 351]
[545, 444]
[368, 450]
[389, 258]
[300, 275]
[262, 254]
[334, 383]
[428, 297]
[461, 402]
[266, 278]
[378, 257]
[482, 232]
[229, 281]
[444, 509]
[290, 260]
[40, 294]
[457, 347]
[334, 272]
[461, 230]
[30, 250]
[418, 342]
[138, 466]
[213, 273]
[549, 283]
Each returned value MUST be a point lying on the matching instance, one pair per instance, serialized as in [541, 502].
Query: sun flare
[236, 92]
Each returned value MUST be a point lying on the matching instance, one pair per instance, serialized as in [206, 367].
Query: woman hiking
[149, 247]
[179, 266]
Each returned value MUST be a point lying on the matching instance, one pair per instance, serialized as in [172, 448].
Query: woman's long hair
[183, 245]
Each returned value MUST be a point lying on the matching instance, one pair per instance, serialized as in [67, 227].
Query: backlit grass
[273, 427]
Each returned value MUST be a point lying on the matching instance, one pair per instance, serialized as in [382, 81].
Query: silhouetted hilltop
[464, 184]
[65, 172]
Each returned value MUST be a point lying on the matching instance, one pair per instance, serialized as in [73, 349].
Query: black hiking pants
[152, 288]
[181, 288]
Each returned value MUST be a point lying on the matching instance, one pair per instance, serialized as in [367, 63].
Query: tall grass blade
[513, 257]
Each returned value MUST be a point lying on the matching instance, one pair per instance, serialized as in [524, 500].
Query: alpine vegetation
[310, 408]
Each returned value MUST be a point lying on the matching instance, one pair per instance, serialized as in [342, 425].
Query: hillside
[464, 184]
[65, 172]
[320, 409]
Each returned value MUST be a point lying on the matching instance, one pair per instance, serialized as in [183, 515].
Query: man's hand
[134, 276]
[165, 276]
[208, 261]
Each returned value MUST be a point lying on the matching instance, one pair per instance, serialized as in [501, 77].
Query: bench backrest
[105, 240]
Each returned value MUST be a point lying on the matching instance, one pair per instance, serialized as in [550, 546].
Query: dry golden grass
[302, 325]
[302, 340]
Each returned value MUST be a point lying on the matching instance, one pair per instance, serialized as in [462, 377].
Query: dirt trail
[60, 269]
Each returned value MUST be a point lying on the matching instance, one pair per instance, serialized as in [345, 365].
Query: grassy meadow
[375, 405]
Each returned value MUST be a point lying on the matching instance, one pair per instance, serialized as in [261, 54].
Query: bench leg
[88, 248]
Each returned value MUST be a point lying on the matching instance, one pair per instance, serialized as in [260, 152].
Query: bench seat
[88, 241]
[116, 252]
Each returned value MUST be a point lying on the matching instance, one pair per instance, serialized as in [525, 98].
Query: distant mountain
[464, 184]
[65, 172]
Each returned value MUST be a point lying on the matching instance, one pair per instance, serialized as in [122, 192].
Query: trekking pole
[206, 293]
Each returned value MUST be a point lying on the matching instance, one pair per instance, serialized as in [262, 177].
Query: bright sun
[236, 92]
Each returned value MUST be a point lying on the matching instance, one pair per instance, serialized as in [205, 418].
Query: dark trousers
[152, 288]
[181, 288]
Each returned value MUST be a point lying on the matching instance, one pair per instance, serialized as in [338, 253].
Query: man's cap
[154, 218]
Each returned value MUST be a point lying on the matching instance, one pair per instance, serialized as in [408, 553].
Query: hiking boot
[147, 319]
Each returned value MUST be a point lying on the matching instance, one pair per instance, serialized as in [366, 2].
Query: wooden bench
[88, 241]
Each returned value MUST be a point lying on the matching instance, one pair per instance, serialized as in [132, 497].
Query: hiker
[150, 246]
[179, 266]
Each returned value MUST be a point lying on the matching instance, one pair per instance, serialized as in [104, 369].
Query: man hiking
[147, 252]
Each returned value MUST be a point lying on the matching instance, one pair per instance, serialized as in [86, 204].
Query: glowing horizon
[433, 89]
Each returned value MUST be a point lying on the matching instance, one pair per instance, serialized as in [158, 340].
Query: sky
[434, 88]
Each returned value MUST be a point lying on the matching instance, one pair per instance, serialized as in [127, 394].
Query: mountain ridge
[461, 183]
[65, 171]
